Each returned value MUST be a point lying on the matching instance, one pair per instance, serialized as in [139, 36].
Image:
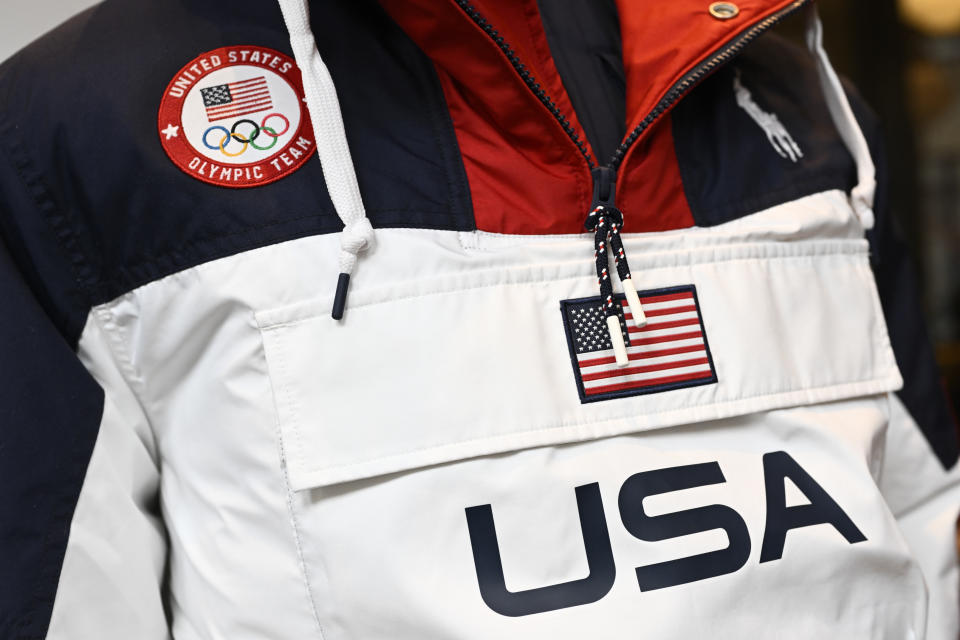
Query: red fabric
[649, 188]
[526, 176]
[662, 41]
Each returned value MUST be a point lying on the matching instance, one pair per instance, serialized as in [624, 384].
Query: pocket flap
[480, 362]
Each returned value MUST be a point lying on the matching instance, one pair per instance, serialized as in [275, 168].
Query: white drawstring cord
[341, 179]
[863, 193]
[328, 129]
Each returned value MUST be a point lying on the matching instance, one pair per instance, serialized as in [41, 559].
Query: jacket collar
[491, 53]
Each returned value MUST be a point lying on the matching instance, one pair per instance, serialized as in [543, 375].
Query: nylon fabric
[733, 273]
[927, 518]
[458, 457]
[525, 174]
[49, 417]
[338, 170]
[863, 193]
[584, 39]
[117, 547]
[312, 540]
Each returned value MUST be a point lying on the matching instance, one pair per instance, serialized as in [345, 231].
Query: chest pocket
[465, 389]
[479, 362]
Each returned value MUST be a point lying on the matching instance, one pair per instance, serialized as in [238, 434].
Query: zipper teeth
[697, 74]
[527, 77]
[687, 82]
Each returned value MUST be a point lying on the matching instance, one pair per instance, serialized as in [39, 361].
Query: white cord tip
[616, 339]
[633, 300]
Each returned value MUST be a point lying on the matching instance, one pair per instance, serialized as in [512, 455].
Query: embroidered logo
[669, 352]
[235, 117]
[781, 140]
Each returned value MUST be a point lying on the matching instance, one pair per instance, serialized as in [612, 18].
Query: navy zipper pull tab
[604, 187]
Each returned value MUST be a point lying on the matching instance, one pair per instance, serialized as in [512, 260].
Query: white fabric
[258, 549]
[110, 580]
[863, 193]
[925, 498]
[324, 108]
[784, 304]
[302, 506]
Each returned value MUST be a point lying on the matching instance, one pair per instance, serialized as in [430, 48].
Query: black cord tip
[340, 298]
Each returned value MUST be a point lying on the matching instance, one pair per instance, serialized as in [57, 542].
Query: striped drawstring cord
[606, 223]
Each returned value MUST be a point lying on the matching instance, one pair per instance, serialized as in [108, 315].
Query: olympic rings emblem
[248, 140]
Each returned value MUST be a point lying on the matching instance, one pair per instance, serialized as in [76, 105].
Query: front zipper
[677, 91]
[526, 76]
[698, 73]
[605, 220]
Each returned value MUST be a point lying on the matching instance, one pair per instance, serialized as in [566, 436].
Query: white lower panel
[417, 422]
[392, 558]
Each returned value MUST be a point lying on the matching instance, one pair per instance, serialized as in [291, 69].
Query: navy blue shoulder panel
[80, 112]
[728, 162]
[50, 414]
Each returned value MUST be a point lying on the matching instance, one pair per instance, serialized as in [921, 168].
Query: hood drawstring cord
[606, 222]
[328, 129]
[862, 195]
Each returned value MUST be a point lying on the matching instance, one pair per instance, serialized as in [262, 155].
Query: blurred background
[903, 55]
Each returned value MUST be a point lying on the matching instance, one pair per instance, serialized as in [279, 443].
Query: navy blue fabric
[83, 103]
[728, 166]
[50, 407]
[585, 42]
[49, 417]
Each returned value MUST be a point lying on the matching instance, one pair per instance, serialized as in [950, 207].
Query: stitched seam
[105, 319]
[741, 207]
[292, 405]
[625, 416]
[201, 240]
[282, 381]
[295, 525]
[133, 276]
[37, 189]
[841, 250]
[443, 124]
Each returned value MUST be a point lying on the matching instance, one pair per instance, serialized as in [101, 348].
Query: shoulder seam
[59, 219]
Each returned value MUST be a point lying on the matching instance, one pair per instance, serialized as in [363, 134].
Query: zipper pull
[604, 187]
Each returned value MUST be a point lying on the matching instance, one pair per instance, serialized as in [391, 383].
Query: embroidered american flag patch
[669, 352]
[236, 99]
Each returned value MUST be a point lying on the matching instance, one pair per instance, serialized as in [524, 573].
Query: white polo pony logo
[781, 140]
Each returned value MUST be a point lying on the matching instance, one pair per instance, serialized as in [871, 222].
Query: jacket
[459, 319]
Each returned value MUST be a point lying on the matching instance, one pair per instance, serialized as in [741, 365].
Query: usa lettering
[780, 519]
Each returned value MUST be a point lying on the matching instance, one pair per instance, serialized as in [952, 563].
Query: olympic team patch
[236, 117]
[669, 352]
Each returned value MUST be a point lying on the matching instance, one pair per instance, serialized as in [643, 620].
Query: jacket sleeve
[82, 548]
[920, 477]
